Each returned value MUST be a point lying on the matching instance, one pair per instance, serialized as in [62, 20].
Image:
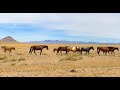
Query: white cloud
[74, 24]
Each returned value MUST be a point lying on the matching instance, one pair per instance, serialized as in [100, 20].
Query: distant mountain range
[65, 42]
[10, 39]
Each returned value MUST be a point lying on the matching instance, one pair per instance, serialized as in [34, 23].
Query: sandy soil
[21, 64]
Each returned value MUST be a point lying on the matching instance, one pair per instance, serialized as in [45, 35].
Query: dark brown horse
[55, 49]
[87, 49]
[62, 48]
[8, 48]
[103, 49]
[37, 47]
[112, 49]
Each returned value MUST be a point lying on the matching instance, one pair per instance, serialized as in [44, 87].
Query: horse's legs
[35, 52]
[103, 52]
[80, 51]
[113, 52]
[31, 51]
[10, 51]
[66, 52]
[109, 52]
[106, 52]
[98, 52]
[5, 50]
[88, 52]
[40, 51]
[61, 52]
[57, 52]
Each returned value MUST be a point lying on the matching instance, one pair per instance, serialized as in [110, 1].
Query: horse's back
[63, 48]
[103, 48]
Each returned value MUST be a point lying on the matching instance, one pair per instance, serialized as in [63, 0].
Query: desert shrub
[21, 59]
[13, 64]
[45, 54]
[19, 53]
[3, 57]
[14, 59]
[24, 64]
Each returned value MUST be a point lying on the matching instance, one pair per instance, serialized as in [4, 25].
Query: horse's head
[92, 48]
[2, 46]
[46, 47]
[117, 49]
[14, 48]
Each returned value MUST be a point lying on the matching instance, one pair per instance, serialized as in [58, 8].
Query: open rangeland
[19, 63]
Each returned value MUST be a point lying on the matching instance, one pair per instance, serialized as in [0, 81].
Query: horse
[72, 49]
[103, 49]
[78, 49]
[112, 49]
[87, 49]
[37, 47]
[62, 48]
[8, 48]
[55, 49]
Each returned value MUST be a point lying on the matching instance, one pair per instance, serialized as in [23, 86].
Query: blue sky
[95, 27]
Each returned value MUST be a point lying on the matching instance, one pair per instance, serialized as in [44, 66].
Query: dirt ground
[20, 63]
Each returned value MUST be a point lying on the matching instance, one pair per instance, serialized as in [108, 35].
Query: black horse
[87, 49]
[37, 47]
[112, 49]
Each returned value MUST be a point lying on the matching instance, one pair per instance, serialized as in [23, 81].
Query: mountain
[65, 42]
[8, 39]
[58, 42]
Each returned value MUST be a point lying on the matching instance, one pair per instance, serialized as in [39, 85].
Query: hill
[8, 39]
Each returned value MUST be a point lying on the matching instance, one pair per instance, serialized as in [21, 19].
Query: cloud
[73, 24]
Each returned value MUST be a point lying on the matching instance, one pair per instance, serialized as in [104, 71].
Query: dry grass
[21, 59]
[13, 64]
[21, 63]
[14, 59]
[3, 57]
[73, 57]
[17, 53]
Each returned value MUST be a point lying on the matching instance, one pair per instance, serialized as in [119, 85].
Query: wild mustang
[72, 49]
[37, 47]
[8, 48]
[55, 49]
[62, 48]
[78, 50]
[112, 49]
[67, 49]
[87, 49]
[103, 49]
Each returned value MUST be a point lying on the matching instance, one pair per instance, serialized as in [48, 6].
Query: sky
[88, 27]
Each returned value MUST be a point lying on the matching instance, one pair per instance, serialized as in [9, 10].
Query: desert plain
[20, 63]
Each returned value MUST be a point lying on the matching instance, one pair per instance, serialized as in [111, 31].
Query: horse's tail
[30, 49]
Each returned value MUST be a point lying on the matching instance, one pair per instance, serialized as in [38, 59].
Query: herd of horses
[67, 49]
[105, 50]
